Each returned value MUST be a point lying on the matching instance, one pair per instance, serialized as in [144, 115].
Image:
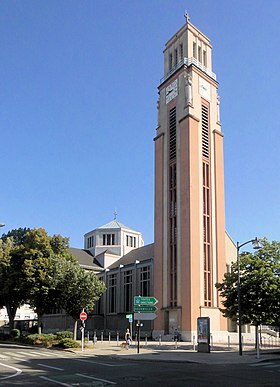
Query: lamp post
[256, 245]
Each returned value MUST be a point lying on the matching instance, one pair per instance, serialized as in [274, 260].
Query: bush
[41, 339]
[67, 343]
[15, 333]
[64, 335]
[4, 336]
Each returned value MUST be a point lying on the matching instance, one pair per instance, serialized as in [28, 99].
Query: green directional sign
[145, 308]
[139, 300]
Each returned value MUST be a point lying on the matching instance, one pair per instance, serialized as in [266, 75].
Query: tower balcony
[189, 62]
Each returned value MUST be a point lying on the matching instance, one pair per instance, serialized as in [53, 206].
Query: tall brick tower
[189, 188]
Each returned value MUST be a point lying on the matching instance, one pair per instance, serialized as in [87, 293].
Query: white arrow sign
[144, 316]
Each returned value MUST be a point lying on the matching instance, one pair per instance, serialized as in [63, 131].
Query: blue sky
[78, 92]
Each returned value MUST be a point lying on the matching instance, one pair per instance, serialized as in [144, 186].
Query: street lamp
[256, 245]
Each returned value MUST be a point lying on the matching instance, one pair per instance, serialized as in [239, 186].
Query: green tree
[13, 292]
[80, 289]
[44, 267]
[259, 286]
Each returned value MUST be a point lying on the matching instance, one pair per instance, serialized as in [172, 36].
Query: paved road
[29, 366]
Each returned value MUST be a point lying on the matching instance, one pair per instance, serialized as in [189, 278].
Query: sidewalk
[167, 352]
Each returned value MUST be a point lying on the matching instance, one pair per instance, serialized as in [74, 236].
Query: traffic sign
[129, 316]
[144, 316]
[145, 308]
[139, 300]
[83, 316]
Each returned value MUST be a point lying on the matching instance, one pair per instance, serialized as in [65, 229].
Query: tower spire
[115, 214]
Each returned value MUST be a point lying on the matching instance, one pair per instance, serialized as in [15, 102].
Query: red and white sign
[83, 316]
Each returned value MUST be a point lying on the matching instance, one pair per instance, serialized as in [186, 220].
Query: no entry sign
[83, 316]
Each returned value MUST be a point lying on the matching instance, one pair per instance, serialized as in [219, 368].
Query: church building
[191, 250]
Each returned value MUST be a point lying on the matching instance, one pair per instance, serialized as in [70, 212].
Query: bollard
[228, 342]
[102, 337]
[176, 343]
[146, 340]
[88, 335]
[211, 339]
[242, 342]
[193, 342]
[117, 338]
[159, 340]
[94, 337]
[109, 337]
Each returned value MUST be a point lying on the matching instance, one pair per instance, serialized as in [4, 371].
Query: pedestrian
[127, 338]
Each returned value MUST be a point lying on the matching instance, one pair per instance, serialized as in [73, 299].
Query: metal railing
[189, 62]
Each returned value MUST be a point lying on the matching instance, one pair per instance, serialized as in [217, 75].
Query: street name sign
[145, 308]
[144, 316]
[128, 316]
[139, 300]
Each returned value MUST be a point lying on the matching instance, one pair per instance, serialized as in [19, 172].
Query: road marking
[54, 381]
[41, 353]
[48, 366]
[99, 363]
[260, 364]
[18, 371]
[28, 353]
[101, 380]
[15, 356]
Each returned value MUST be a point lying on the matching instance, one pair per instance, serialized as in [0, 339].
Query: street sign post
[139, 300]
[145, 308]
[144, 316]
[83, 316]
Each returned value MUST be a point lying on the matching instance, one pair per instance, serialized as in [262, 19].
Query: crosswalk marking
[268, 366]
[259, 364]
[21, 355]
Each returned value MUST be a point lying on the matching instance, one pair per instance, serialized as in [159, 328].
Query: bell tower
[189, 188]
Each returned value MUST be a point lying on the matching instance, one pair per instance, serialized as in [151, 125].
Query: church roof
[114, 224]
[140, 254]
[85, 259]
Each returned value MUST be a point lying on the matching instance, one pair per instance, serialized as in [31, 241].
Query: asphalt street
[31, 366]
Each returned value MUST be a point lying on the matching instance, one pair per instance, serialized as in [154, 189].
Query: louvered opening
[172, 133]
[205, 131]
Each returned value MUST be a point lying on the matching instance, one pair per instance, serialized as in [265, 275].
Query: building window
[199, 54]
[172, 134]
[145, 281]
[207, 235]
[181, 52]
[170, 62]
[128, 291]
[204, 58]
[112, 293]
[205, 131]
[194, 49]
[176, 56]
[130, 241]
[108, 239]
[90, 242]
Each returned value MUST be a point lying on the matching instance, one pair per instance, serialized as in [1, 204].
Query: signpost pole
[83, 337]
[138, 336]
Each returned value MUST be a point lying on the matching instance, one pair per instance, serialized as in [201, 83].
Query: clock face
[204, 89]
[171, 91]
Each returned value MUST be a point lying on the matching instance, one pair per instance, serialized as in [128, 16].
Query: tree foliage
[259, 286]
[36, 268]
